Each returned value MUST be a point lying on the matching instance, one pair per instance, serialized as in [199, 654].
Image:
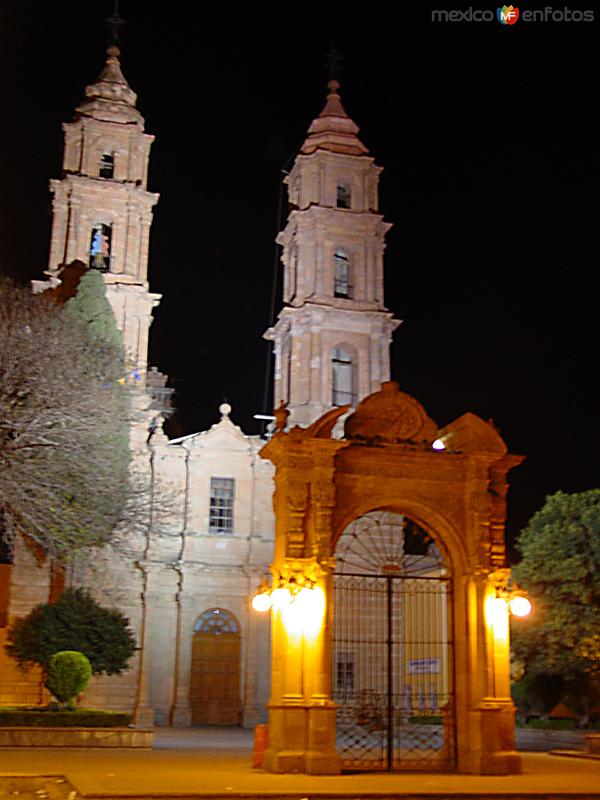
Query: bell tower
[102, 210]
[332, 337]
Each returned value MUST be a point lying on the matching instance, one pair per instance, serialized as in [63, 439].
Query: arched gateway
[392, 646]
[392, 653]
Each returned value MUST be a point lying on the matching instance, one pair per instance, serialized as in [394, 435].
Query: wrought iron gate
[392, 655]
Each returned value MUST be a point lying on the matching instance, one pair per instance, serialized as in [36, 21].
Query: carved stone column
[181, 711]
[301, 710]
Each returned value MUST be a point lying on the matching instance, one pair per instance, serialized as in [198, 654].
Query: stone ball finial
[225, 409]
[333, 86]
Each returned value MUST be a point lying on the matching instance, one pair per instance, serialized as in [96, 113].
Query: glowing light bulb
[281, 598]
[261, 602]
[520, 606]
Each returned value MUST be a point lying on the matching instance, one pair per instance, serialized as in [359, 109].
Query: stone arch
[444, 533]
[393, 646]
[458, 495]
[344, 191]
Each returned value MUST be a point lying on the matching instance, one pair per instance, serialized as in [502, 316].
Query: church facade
[185, 581]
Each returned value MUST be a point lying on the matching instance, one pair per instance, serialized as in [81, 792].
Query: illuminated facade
[394, 652]
[329, 493]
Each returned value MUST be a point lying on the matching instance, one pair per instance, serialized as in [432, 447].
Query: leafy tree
[75, 622]
[560, 568]
[90, 305]
[64, 414]
[69, 672]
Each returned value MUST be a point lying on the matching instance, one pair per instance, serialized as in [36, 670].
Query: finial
[224, 410]
[333, 87]
[334, 64]
[281, 415]
[115, 22]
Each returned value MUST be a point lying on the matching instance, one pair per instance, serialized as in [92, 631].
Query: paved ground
[209, 761]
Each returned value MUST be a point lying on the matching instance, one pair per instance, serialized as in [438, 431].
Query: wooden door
[215, 679]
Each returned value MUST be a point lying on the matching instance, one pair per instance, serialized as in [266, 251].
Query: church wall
[193, 569]
[30, 586]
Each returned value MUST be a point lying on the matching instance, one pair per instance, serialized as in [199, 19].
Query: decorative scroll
[391, 416]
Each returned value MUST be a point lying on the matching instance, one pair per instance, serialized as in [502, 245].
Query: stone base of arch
[302, 739]
[490, 750]
[457, 494]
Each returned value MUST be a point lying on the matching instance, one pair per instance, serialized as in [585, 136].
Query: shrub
[75, 622]
[553, 724]
[69, 672]
[76, 718]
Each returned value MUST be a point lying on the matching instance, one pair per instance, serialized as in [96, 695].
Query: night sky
[488, 137]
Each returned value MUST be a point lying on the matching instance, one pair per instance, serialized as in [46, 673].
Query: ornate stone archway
[386, 462]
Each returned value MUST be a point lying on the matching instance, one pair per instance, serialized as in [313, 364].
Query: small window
[107, 165]
[344, 673]
[341, 286]
[343, 196]
[221, 505]
[100, 247]
[342, 379]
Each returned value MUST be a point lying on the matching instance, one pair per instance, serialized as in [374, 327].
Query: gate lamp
[519, 605]
[283, 594]
[262, 599]
[516, 602]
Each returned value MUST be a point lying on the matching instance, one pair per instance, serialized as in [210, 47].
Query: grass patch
[22, 717]
[425, 719]
[550, 724]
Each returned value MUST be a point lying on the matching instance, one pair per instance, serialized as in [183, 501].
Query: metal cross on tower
[334, 62]
[115, 22]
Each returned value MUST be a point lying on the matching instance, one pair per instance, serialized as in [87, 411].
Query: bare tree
[64, 416]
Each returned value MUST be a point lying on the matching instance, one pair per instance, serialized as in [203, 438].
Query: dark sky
[489, 141]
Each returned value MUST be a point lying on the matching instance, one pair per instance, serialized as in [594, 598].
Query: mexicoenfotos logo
[507, 15]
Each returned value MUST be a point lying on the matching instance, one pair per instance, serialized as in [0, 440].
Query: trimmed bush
[13, 716]
[75, 622]
[69, 672]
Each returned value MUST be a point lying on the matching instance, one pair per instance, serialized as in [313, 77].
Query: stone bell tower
[102, 210]
[332, 337]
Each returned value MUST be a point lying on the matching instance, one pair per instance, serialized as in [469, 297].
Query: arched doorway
[215, 678]
[392, 647]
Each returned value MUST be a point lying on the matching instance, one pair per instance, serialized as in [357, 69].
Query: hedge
[49, 718]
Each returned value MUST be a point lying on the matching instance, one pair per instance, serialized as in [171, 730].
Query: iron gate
[392, 654]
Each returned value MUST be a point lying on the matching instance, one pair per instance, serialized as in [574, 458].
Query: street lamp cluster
[286, 591]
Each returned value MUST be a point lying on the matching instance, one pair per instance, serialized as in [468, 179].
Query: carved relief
[297, 501]
[391, 416]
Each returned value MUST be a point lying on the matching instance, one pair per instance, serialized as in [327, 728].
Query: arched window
[100, 247]
[341, 285]
[216, 621]
[107, 165]
[342, 383]
[343, 195]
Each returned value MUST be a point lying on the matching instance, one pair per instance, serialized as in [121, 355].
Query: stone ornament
[391, 416]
